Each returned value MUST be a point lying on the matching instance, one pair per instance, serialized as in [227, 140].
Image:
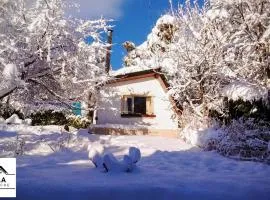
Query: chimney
[108, 53]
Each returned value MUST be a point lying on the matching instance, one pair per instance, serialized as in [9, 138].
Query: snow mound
[27, 121]
[109, 163]
[95, 151]
[95, 146]
[14, 119]
[199, 136]
[114, 165]
[2, 120]
[135, 154]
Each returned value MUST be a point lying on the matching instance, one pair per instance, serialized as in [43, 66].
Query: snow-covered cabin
[136, 102]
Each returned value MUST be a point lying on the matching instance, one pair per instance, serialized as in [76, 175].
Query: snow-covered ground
[55, 165]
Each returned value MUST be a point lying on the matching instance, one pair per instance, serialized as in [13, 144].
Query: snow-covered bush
[244, 139]
[7, 110]
[235, 109]
[61, 143]
[78, 121]
[48, 117]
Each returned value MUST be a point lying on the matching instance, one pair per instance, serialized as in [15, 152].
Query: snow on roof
[243, 90]
[132, 69]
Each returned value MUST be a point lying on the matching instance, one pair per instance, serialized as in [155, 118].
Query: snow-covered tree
[204, 48]
[221, 42]
[245, 29]
[150, 53]
[44, 55]
[192, 64]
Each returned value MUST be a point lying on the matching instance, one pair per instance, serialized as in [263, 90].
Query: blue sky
[136, 22]
[133, 19]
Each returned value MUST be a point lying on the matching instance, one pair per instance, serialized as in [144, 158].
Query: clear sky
[136, 22]
[133, 19]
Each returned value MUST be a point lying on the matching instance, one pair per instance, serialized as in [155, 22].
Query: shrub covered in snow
[239, 108]
[7, 110]
[78, 121]
[48, 117]
[257, 109]
[244, 139]
[61, 142]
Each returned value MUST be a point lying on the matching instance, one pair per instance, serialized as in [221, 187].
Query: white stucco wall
[109, 111]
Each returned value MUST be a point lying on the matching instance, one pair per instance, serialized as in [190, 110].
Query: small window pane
[140, 105]
[129, 105]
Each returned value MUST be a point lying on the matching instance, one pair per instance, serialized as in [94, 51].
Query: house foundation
[169, 133]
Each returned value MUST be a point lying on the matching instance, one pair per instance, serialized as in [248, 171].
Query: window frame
[127, 114]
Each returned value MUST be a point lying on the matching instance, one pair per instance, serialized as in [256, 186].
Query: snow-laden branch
[52, 56]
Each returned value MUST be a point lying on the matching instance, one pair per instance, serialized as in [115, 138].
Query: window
[137, 106]
[129, 105]
[140, 105]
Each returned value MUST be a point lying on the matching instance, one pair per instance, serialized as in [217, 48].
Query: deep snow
[168, 169]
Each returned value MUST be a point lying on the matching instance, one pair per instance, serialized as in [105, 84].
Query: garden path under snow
[55, 165]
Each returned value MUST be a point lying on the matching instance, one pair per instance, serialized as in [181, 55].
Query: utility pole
[108, 53]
